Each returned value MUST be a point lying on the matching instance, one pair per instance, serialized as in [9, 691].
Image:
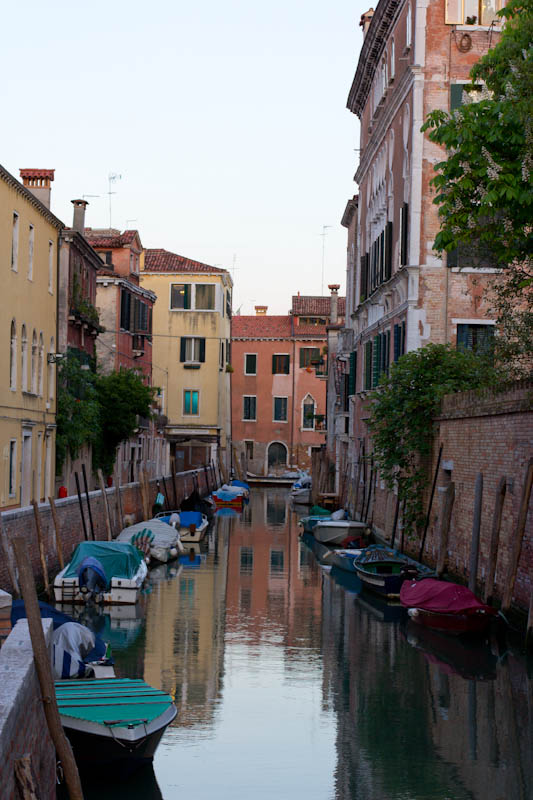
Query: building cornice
[75, 237]
[18, 187]
[349, 211]
[373, 46]
[104, 280]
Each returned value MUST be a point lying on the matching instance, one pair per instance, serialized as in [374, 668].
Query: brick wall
[21, 521]
[490, 433]
[23, 729]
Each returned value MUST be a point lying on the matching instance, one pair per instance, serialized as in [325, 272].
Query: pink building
[279, 384]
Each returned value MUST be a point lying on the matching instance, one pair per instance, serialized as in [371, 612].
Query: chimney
[333, 315]
[260, 311]
[366, 19]
[38, 182]
[78, 220]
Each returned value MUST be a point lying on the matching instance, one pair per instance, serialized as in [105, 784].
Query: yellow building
[29, 235]
[191, 350]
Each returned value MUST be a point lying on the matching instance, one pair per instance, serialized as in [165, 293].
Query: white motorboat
[335, 531]
[106, 572]
[301, 495]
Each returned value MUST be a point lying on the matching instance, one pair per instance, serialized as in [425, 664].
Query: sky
[226, 121]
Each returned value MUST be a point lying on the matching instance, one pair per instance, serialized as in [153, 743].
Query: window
[247, 560]
[50, 267]
[404, 233]
[51, 381]
[249, 449]
[12, 467]
[205, 297]
[125, 310]
[380, 356]
[34, 353]
[408, 28]
[13, 356]
[108, 257]
[192, 350]
[308, 355]
[250, 364]
[480, 12]
[249, 408]
[41, 366]
[477, 338]
[367, 383]
[280, 364]
[180, 295]
[392, 60]
[15, 242]
[399, 340]
[308, 413]
[280, 409]
[191, 401]
[31, 242]
[228, 303]
[221, 352]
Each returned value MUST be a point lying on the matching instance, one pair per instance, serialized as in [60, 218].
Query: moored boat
[383, 570]
[113, 723]
[335, 531]
[225, 499]
[163, 540]
[446, 607]
[106, 572]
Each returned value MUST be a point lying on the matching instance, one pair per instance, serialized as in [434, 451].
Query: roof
[109, 238]
[261, 327]
[28, 172]
[273, 327]
[317, 305]
[159, 260]
[373, 46]
[30, 197]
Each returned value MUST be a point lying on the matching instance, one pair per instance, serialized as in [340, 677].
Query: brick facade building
[278, 384]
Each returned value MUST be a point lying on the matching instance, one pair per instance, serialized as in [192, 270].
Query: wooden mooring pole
[447, 508]
[86, 487]
[57, 529]
[517, 541]
[40, 541]
[476, 527]
[44, 671]
[495, 539]
[76, 476]
[428, 515]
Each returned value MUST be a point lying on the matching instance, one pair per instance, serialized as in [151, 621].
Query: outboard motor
[92, 578]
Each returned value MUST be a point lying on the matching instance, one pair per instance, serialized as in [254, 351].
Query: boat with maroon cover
[447, 607]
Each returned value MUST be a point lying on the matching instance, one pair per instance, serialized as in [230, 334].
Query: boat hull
[187, 536]
[100, 752]
[386, 585]
[301, 497]
[335, 531]
[475, 623]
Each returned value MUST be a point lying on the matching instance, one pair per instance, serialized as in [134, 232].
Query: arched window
[277, 454]
[34, 363]
[41, 365]
[51, 374]
[308, 413]
[24, 359]
[13, 356]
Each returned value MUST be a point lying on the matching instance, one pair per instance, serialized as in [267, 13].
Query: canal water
[293, 684]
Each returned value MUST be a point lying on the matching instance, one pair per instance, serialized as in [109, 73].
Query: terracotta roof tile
[318, 305]
[109, 238]
[159, 260]
[261, 327]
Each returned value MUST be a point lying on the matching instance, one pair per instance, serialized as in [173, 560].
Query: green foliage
[78, 409]
[402, 411]
[122, 397]
[485, 186]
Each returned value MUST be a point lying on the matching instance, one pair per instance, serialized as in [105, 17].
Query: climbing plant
[402, 409]
[78, 408]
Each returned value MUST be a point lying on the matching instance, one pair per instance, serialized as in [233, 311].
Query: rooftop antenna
[323, 234]
[112, 178]
[130, 220]
[84, 196]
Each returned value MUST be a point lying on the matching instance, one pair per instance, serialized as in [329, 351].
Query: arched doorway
[277, 455]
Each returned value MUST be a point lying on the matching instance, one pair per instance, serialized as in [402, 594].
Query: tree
[485, 185]
[402, 409]
[78, 408]
[122, 396]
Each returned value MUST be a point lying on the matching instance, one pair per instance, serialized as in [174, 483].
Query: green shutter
[368, 365]
[376, 360]
[202, 350]
[187, 295]
[183, 343]
[456, 96]
[353, 373]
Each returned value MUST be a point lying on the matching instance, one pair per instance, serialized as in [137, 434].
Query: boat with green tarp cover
[115, 721]
[108, 572]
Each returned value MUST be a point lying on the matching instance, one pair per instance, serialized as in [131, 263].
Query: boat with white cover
[164, 543]
[335, 531]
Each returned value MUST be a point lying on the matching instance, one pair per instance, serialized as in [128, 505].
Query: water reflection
[292, 682]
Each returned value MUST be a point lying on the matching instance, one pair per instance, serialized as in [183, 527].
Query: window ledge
[248, 420]
[191, 365]
[476, 27]
[251, 374]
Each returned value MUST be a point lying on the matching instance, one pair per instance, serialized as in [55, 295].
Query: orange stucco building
[278, 384]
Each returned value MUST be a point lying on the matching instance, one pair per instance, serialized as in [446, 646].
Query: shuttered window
[353, 373]
[125, 310]
[477, 338]
[180, 296]
[280, 364]
[249, 408]
[308, 355]
[399, 340]
[404, 233]
[280, 409]
[192, 349]
[368, 365]
[191, 398]
[388, 251]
